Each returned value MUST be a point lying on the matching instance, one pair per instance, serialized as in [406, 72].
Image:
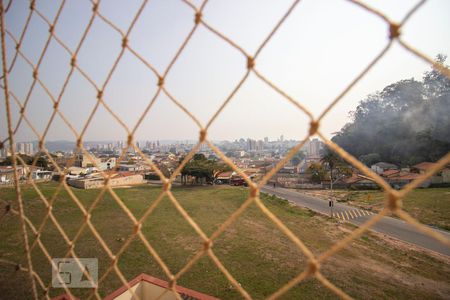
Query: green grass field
[429, 206]
[255, 252]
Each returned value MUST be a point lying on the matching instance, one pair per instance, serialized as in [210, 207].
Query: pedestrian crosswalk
[351, 214]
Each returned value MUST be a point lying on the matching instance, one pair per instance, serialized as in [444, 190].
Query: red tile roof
[185, 292]
[389, 173]
[224, 174]
[408, 176]
[424, 165]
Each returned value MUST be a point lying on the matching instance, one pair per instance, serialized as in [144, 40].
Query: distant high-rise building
[281, 138]
[266, 140]
[29, 149]
[21, 148]
[259, 145]
[4, 152]
[315, 147]
[251, 145]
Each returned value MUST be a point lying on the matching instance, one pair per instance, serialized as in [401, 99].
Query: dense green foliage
[202, 169]
[297, 158]
[41, 160]
[406, 123]
[318, 173]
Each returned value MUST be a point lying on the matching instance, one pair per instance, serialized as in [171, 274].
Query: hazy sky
[321, 47]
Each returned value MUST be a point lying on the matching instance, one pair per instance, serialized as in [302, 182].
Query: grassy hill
[255, 252]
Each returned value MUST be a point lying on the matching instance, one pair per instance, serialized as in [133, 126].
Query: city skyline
[317, 52]
[31, 148]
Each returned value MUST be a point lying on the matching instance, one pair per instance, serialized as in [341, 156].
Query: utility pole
[331, 204]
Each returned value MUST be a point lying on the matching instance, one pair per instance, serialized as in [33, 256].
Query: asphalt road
[390, 226]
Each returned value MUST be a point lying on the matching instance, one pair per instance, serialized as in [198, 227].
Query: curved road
[394, 227]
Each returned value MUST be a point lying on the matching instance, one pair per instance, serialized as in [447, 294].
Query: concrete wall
[446, 176]
[93, 183]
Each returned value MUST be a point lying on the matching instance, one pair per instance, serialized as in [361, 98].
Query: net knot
[41, 144]
[35, 73]
[55, 105]
[32, 5]
[250, 62]
[137, 227]
[114, 260]
[202, 137]
[160, 81]
[17, 47]
[71, 245]
[99, 94]
[394, 30]
[130, 139]
[393, 201]
[198, 17]
[73, 61]
[207, 245]
[167, 185]
[22, 110]
[79, 143]
[51, 29]
[172, 282]
[95, 7]
[313, 127]
[313, 267]
[254, 191]
[124, 42]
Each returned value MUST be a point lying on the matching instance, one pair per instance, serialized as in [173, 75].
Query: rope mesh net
[40, 288]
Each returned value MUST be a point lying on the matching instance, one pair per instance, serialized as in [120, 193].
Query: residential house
[358, 181]
[288, 170]
[37, 173]
[380, 167]
[6, 174]
[96, 180]
[148, 287]
[399, 178]
[84, 161]
[224, 177]
[440, 177]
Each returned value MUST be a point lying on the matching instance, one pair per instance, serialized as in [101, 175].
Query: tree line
[406, 123]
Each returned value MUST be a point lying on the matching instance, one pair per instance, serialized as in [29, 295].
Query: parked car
[238, 182]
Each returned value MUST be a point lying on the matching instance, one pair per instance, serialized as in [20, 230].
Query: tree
[337, 166]
[370, 159]
[297, 158]
[202, 169]
[28, 160]
[405, 123]
[230, 154]
[331, 159]
[42, 162]
[317, 172]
